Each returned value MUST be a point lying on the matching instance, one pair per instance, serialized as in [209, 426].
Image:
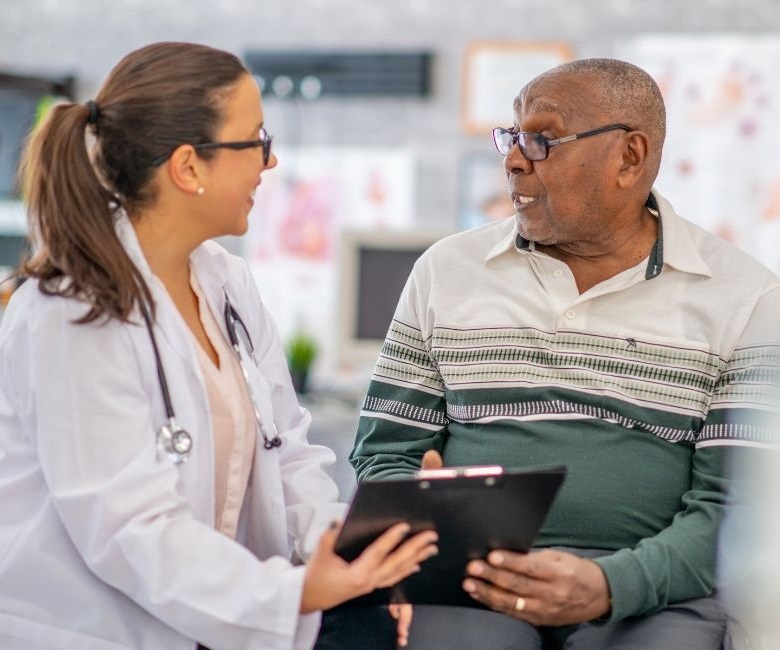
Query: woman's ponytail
[71, 220]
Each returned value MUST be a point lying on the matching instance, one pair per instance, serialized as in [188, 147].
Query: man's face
[569, 198]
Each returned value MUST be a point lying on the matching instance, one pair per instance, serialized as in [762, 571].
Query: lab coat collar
[211, 276]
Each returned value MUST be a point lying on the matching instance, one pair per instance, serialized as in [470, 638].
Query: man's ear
[186, 169]
[636, 146]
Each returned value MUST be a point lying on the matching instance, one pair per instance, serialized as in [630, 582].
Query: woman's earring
[201, 191]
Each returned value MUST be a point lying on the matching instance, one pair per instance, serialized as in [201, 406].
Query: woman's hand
[330, 580]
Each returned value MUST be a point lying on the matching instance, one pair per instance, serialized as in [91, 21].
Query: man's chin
[534, 235]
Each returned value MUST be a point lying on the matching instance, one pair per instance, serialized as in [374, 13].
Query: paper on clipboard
[473, 509]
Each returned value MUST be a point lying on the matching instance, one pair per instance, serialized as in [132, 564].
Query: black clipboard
[473, 509]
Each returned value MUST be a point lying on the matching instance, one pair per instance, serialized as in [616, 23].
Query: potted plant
[301, 350]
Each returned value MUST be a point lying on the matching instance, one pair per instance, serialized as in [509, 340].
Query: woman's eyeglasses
[263, 141]
[534, 146]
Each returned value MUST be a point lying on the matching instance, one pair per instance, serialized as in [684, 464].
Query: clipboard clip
[460, 472]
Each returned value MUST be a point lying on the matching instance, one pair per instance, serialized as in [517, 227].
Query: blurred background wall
[87, 37]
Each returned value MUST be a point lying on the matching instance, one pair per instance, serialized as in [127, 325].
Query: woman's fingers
[381, 547]
[382, 556]
[327, 543]
[406, 560]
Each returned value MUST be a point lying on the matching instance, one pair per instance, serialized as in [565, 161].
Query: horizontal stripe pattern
[504, 367]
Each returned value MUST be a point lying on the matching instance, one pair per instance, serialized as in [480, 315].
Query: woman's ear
[634, 160]
[186, 169]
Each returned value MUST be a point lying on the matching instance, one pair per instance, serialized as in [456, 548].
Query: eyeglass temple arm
[587, 134]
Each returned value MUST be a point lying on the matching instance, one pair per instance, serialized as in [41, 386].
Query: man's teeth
[525, 199]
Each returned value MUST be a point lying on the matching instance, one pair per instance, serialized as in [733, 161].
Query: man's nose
[516, 163]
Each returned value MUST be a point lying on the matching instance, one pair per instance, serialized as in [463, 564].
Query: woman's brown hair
[154, 100]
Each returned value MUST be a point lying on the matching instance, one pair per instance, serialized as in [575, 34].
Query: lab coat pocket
[23, 634]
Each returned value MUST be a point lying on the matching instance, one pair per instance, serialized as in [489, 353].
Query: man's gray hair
[628, 93]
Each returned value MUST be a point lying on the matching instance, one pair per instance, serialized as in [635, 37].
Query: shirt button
[570, 314]
[558, 273]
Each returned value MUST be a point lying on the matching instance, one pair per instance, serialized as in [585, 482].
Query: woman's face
[233, 175]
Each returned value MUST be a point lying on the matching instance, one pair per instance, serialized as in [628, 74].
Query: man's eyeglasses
[534, 146]
[263, 141]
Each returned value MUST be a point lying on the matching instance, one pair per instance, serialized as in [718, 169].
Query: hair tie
[94, 112]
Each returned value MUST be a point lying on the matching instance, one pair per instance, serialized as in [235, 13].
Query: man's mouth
[522, 200]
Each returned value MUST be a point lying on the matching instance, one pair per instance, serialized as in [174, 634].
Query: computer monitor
[373, 269]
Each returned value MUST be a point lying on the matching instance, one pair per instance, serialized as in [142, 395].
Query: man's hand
[543, 587]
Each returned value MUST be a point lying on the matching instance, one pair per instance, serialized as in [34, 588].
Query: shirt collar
[680, 251]
[674, 247]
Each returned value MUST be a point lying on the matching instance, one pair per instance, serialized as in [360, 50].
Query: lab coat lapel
[213, 280]
[168, 321]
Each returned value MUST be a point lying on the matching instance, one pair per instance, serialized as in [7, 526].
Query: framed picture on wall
[493, 74]
[483, 193]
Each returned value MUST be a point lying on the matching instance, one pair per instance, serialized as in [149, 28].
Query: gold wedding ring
[520, 604]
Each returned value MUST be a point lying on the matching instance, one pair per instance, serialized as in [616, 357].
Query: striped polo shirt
[638, 385]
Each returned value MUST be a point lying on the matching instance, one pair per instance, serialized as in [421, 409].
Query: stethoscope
[172, 440]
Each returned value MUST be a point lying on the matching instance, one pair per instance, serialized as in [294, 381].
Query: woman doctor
[145, 504]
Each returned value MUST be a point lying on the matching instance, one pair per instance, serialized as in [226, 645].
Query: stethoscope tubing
[175, 441]
[158, 362]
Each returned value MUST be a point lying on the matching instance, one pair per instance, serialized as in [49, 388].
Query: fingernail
[433, 551]
[404, 529]
[496, 558]
[475, 568]
[469, 586]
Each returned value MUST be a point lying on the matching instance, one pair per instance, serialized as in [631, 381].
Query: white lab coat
[104, 543]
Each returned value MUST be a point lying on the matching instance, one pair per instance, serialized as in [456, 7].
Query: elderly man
[598, 329]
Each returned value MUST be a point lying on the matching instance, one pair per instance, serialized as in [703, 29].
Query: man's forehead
[561, 93]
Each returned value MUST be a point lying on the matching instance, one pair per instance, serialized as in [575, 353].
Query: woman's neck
[166, 249]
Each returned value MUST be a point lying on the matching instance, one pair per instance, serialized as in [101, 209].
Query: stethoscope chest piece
[174, 442]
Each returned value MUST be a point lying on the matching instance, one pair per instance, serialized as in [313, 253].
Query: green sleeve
[405, 412]
[679, 562]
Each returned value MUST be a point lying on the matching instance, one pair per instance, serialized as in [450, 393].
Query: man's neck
[594, 262]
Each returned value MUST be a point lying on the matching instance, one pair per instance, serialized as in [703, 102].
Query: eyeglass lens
[532, 145]
[266, 140]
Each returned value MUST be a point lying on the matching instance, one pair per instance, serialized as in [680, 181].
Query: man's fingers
[506, 580]
[432, 460]
[523, 607]
[539, 565]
